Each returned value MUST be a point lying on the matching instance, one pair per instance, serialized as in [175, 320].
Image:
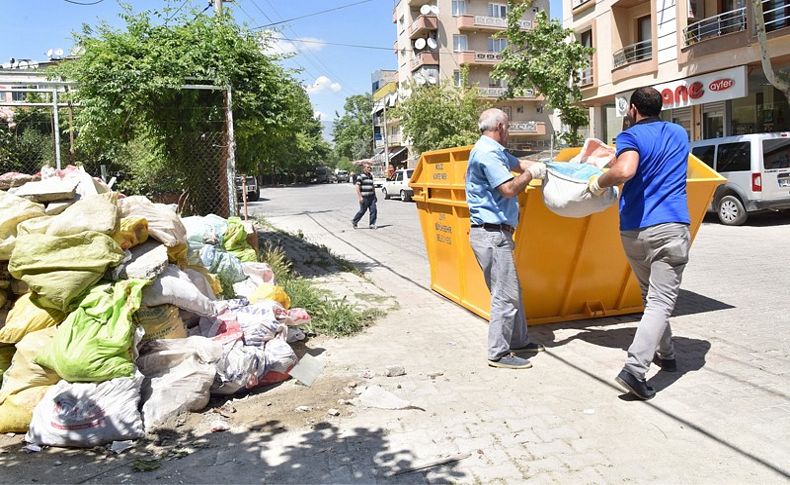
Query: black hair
[647, 101]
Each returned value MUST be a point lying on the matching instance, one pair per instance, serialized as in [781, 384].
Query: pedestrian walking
[492, 195]
[366, 195]
[651, 162]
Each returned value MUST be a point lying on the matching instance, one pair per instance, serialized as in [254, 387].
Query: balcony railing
[422, 24]
[499, 92]
[528, 127]
[466, 22]
[716, 26]
[776, 14]
[641, 51]
[424, 58]
[578, 3]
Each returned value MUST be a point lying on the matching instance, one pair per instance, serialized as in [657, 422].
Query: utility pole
[217, 6]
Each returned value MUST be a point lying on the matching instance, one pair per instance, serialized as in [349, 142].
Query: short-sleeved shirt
[657, 192]
[490, 165]
[365, 182]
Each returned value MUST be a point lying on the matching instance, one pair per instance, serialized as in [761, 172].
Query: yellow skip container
[570, 269]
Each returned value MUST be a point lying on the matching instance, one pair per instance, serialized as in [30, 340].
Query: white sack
[88, 414]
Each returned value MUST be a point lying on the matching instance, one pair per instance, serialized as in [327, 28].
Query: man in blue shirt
[652, 162]
[492, 195]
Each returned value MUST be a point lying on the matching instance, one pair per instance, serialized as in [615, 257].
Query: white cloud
[274, 44]
[323, 83]
[319, 116]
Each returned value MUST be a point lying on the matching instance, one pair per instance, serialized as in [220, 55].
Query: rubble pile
[117, 314]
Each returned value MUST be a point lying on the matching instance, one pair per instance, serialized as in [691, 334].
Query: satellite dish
[432, 79]
[434, 9]
[425, 9]
[432, 43]
[59, 52]
[419, 44]
[419, 79]
[49, 53]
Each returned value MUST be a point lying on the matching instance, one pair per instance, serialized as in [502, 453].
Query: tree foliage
[353, 132]
[130, 91]
[441, 116]
[546, 58]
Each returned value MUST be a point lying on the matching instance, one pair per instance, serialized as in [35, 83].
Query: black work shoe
[530, 347]
[354, 225]
[637, 387]
[667, 365]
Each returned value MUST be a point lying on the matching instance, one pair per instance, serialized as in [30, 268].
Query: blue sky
[28, 28]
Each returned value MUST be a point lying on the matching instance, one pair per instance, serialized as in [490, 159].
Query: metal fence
[196, 170]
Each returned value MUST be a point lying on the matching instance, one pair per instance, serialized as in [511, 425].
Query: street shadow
[763, 219]
[265, 451]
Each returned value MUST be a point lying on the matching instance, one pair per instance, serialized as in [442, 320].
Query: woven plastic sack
[133, 231]
[160, 322]
[164, 225]
[6, 355]
[178, 376]
[95, 342]
[59, 270]
[26, 317]
[87, 414]
[175, 287]
[235, 241]
[565, 190]
[14, 210]
[25, 382]
[225, 265]
[98, 213]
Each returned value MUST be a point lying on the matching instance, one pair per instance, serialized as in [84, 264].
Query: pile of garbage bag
[117, 314]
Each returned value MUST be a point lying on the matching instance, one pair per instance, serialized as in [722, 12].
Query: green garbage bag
[14, 210]
[59, 270]
[235, 242]
[94, 343]
[6, 354]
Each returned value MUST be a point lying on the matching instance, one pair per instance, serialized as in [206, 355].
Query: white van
[398, 185]
[757, 168]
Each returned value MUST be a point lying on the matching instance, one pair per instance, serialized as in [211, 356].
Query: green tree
[549, 59]
[441, 116]
[352, 133]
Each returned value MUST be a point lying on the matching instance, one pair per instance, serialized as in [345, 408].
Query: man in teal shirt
[492, 195]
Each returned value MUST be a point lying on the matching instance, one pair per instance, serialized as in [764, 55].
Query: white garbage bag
[178, 376]
[88, 414]
[565, 190]
[175, 287]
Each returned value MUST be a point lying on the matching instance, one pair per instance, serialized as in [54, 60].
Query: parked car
[253, 191]
[319, 175]
[757, 168]
[398, 186]
[342, 176]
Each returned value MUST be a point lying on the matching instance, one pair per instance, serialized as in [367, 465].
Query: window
[776, 153]
[496, 45]
[459, 8]
[402, 57]
[734, 157]
[399, 177]
[705, 154]
[494, 83]
[459, 43]
[508, 111]
[497, 10]
[644, 28]
[401, 24]
[586, 74]
[457, 80]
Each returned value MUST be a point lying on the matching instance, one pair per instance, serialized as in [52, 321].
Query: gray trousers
[508, 323]
[658, 256]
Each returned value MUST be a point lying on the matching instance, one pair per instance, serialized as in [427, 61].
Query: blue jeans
[368, 204]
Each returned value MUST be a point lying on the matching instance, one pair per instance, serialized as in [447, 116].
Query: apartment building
[436, 39]
[702, 55]
[387, 138]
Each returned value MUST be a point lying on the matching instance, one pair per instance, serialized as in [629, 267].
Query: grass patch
[331, 316]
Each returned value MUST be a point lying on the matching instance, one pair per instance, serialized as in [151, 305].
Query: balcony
[527, 128]
[423, 59]
[479, 58]
[630, 54]
[499, 92]
[776, 14]
[393, 140]
[716, 26]
[422, 25]
[483, 22]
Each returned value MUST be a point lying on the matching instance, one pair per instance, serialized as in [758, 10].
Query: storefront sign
[707, 88]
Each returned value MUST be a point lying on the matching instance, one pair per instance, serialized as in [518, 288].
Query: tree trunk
[780, 80]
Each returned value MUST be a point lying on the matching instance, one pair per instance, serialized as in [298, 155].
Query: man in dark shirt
[366, 194]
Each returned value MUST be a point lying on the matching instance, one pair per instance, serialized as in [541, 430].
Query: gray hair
[490, 119]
